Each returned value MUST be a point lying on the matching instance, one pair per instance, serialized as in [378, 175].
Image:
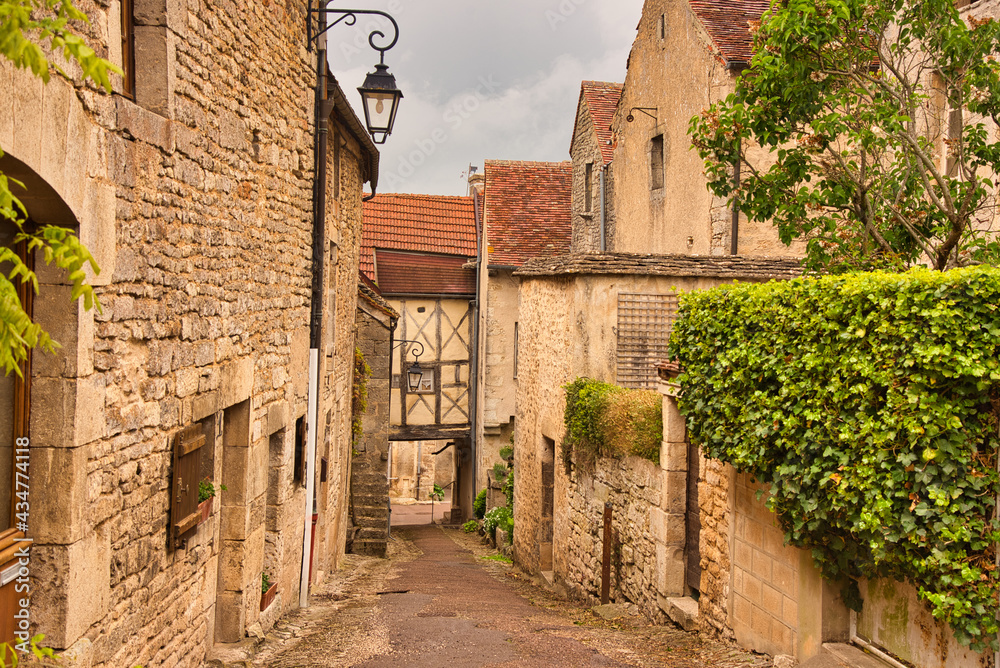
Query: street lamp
[379, 95]
[380, 98]
[414, 374]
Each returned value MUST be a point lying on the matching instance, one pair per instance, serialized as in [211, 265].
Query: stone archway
[62, 412]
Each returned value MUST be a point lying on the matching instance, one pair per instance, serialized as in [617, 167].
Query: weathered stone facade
[591, 152]
[196, 202]
[675, 71]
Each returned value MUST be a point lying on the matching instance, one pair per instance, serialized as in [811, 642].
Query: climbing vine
[605, 420]
[869, 404]
[359, 394]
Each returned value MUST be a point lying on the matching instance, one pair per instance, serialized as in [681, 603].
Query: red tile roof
[402, 273]
[527, 210]
[429, 223]
[726, 23]
[602, 101]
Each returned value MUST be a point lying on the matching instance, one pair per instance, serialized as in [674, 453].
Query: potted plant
[207, 492]
[267, 590]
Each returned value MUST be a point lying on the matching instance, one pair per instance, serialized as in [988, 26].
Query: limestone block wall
[633, 488]
[765, 576]
[199, 213]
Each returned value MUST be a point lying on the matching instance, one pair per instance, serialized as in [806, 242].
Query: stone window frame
[588, 187]
[657, 167]
[149, 32]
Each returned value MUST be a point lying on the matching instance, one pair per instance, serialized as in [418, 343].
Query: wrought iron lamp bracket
[644, 110]
[348, 17]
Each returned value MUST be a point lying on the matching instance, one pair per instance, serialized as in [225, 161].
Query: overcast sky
[483, 79]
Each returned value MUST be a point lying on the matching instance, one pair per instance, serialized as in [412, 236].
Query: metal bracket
[644, 110]
[348, 17]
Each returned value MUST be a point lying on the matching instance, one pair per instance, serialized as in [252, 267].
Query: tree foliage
[28, 30]
[869, 406]
[866, 128]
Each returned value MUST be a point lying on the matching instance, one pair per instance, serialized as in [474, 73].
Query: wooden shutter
[184, 513]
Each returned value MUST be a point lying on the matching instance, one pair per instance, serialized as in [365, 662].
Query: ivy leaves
[870, 404]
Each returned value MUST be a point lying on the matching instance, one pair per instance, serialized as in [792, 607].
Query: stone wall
[632, 487]
[200, 215]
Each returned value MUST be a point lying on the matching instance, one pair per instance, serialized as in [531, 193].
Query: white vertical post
[312, 429]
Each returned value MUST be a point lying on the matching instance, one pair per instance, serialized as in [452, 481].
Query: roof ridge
[529, 163]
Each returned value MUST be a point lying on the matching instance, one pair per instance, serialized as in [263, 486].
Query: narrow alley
[439, 601]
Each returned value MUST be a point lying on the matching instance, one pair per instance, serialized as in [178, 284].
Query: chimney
[477, 182]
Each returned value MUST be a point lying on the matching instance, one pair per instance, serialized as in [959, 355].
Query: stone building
[526, 215]
[192, 184]
[417, 248]
[591, 152]
[685, 57]
[369, 531]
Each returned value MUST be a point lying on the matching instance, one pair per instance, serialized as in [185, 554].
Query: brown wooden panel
[184, 488]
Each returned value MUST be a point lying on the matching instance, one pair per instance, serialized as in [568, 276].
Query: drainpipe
[316, 307]
[474, 362]
[604, 209]
[392, 346]
[735, 235]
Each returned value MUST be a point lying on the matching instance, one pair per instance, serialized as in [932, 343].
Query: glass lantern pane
[379, 107]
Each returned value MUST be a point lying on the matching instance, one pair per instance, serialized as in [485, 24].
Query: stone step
[373, 522]
[370, 489]
[371, 533]
[371, 548]
[366, 510]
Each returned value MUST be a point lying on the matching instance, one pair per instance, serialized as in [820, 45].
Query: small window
[663, 26]
[588, 187]
[128, 49]
[299, 473]
[656, 163]
[516, 345]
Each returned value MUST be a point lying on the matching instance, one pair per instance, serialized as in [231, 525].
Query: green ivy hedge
[869, 403]
[605, 420]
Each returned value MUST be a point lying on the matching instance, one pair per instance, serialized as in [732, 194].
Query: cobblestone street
[437, 601]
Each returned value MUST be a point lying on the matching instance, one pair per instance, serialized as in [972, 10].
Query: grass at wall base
[868, 405]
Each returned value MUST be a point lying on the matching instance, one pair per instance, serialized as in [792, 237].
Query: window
[128, 49]
[656, 163]
[588, 187]
[516, 345]
[663, 26]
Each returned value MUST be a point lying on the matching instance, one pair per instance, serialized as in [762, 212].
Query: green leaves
[23, 23]
[848, 144]
[869, 404]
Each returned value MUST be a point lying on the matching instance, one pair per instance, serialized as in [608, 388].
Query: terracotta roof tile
[428, 223]
[527, 210]
[726, 23]
[602, 101]
[402, 273]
